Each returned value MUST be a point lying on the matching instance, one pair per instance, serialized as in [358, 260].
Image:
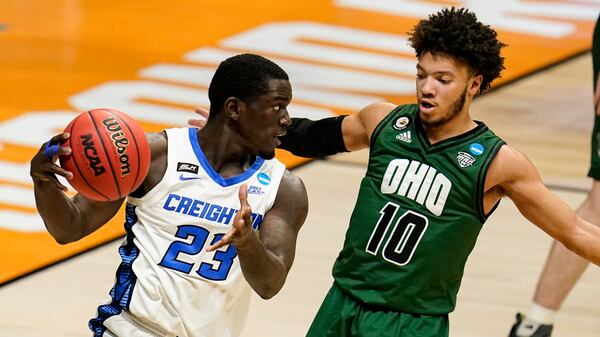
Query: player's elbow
[577, 240]
[64, 238]
[63, 241]
[268, 292]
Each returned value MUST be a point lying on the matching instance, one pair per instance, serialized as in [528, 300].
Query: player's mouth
[426, 106]
[279, 134]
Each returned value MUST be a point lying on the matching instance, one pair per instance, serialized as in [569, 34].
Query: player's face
[267, 118]
[442, 87]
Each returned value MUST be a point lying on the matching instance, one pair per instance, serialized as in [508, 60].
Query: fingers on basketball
[110, 155]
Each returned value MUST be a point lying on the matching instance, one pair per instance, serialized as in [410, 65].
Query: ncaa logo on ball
[91, 154]
[401, 123]
[263, 179]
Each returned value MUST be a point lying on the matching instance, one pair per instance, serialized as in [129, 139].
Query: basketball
[110, 157]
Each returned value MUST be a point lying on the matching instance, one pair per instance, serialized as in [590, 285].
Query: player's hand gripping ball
[110, 154]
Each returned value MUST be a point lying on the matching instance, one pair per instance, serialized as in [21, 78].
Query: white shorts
[126, 325]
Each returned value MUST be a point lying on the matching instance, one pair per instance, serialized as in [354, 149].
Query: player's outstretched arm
[520, 181]
[358, 127]
[66, 219]
[266, 259]
[328, 136]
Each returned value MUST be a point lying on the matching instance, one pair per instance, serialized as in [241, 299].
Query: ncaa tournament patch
[263, 178]
[401, 123]
[476, 149]
[187, 167]
[465, 160]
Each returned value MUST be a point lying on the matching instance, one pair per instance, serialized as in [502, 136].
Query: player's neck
[458, 125]
[224, 149]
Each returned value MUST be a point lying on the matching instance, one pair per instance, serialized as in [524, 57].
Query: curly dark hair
[457, 33]
[244, 76]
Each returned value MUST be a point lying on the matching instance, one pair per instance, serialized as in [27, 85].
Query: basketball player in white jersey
[216, 216]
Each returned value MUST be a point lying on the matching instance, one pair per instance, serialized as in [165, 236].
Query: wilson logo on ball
[110, 155]
[90, 152]
[120, 143]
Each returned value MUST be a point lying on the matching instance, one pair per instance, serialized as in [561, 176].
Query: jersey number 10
[405, 236]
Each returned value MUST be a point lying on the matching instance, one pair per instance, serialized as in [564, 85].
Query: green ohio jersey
[417, 217]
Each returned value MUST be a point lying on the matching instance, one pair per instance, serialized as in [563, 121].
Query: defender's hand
[43, 167]
[199, 123]
[241, 230]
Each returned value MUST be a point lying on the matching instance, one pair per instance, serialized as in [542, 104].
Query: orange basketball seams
[110, 157]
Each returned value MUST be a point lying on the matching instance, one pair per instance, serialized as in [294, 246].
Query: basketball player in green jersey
[564, 268]
[433, 178]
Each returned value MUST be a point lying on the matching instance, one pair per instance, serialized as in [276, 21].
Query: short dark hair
[457, 33]
[244, 76]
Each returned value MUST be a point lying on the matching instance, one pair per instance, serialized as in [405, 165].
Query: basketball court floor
[547, 115]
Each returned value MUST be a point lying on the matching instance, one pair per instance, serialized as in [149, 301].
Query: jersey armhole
[381, 125]
[481, 181]
[140, 192]
[279, 172]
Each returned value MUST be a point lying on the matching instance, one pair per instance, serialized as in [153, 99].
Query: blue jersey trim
[212, 173]
[126, 279]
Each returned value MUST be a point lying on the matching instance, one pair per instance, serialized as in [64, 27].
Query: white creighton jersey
[167, 284]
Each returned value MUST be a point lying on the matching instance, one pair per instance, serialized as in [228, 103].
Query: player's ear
[475, 84]
[233, 107]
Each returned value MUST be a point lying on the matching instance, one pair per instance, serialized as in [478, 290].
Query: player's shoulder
[292, 198]
[157, 142]
[290, 180]
[376, 112]
[292, 187]
[510, 156]
[508, 165]
[161, 138]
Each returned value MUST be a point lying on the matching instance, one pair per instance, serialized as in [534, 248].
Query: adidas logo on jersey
[405, 137]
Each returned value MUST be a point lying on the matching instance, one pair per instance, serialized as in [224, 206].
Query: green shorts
[342, 316]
